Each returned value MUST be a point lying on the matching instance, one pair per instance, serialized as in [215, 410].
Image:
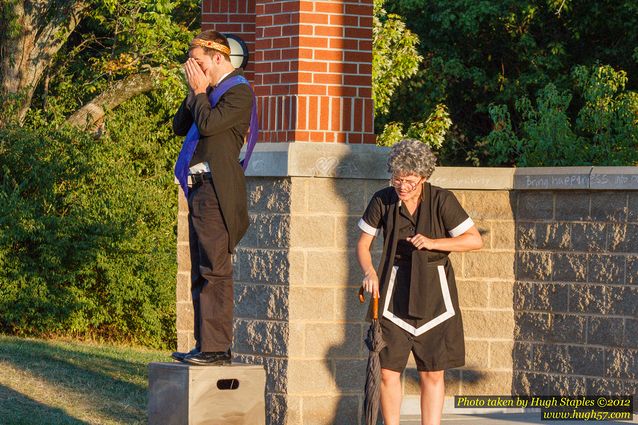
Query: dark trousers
[211, 270]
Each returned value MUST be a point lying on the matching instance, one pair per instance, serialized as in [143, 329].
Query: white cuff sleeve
[461, 228]
[368, 229]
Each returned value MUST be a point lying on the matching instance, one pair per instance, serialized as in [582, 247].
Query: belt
[198, 179]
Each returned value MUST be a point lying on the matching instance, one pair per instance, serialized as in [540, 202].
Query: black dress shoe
[180, 356]
[214, 358]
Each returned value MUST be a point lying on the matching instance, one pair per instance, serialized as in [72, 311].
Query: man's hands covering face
[196, 78]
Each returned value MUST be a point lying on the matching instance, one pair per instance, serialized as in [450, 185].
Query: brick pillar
[313, 70]
[234, 17]
[311, 63]
[295, 311]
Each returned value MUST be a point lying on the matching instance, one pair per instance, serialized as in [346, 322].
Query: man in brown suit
[218, 216]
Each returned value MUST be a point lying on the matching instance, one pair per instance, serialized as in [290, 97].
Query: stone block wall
[549, 303]
[296, 309]
[576, 292]
[184, 302]
[296, 279]
[485, 282]
[262, 290]
[326, 351]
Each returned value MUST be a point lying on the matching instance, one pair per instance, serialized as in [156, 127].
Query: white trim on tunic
[462, 228]
[373, 231]
[447, 300]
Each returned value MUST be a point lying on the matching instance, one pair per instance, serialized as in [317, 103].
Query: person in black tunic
[418, 303]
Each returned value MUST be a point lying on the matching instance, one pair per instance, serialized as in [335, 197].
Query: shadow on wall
[347, 360]
[261, 328]
[575, 294]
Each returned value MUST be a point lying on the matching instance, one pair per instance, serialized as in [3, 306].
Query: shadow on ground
[26, 411]
[112, 387]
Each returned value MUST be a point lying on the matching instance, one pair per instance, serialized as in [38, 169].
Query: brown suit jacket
[222, 130]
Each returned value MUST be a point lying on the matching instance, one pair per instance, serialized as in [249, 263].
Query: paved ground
[506, 419]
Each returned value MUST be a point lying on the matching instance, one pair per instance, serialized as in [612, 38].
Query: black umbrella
[375, 344]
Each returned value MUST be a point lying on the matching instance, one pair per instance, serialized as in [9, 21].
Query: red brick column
[312, 65]
[234, 17]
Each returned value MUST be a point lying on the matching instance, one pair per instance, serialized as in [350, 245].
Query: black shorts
[399, 345]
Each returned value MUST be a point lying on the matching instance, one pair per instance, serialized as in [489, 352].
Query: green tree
[86, 244]
[58, 55]
[488, 52]
[395, 59]
[87, 220]
[605, 131]
[395, 56]
[608, 118]
[431, 131]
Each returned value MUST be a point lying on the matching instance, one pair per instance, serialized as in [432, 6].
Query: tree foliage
[87, 232]
[431, 131]
[87, 224]
[482, 56]
[31, 35]
[57, 55]
[605, 130]
[395, 56]
[395, 59]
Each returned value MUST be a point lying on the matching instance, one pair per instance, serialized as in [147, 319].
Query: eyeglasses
[399, 183]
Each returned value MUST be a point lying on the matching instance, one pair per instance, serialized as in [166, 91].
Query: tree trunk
[88, 115]
[33, 32]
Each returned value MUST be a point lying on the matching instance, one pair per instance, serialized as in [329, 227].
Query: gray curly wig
[409, 156]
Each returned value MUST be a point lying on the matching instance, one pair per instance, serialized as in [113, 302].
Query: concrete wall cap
[484, 178]
[341, 160]
[307, 159]
[605, 178]
[545, 178]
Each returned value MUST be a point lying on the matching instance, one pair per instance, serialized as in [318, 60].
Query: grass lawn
[60, 382]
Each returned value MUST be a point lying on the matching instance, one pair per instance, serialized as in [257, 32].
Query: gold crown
[211, 45]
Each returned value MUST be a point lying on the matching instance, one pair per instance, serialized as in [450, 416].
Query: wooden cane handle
[375, 308]
[375, 303]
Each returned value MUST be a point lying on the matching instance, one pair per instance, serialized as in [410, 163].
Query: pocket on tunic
[427, 299]
[428, 287]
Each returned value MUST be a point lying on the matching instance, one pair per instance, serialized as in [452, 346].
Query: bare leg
[391, 396]
[432, 397]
